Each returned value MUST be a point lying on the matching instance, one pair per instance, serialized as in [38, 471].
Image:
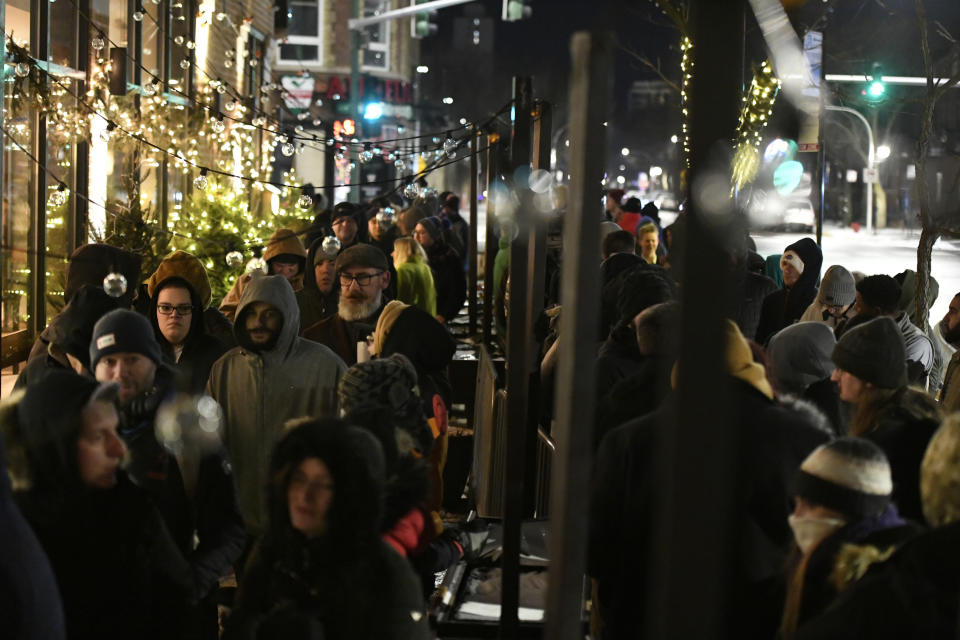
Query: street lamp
[625, 152]
[883, 152]
[871, 159]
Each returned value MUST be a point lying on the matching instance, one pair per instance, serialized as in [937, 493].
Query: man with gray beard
[364, 274]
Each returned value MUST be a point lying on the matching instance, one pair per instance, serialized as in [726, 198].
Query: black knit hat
[384, 382]
[874, 352]
[848, 475]
[435, 226]
[91, 263]
[123, 331]
[880, 292]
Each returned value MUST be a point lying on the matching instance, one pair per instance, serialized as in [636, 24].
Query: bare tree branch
[677, 12]
[645, 61]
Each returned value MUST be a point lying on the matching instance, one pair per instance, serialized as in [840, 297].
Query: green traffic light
[876, 89]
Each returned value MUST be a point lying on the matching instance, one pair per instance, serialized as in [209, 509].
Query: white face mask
[808, 532]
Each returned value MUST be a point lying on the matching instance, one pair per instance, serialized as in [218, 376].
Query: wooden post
[699, 450]
[590, 88]
[490, 250]
[472, 240]
[518, 365]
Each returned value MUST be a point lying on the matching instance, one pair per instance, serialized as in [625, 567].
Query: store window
[376, 47]
[304, 42]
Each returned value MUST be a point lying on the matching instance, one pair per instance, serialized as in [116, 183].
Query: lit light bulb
[400, 164]
[330, 245]
[287, 149]
[150, 88]
[365, 156]
[107, 133]
[184, 64]
[411, 191]
[191, 44]
[256, 264]
[98, 43]
[303, 115]
[305, 201]
[178, 40]
[138, 15]
[253, 62]
[200, 182]
[230, 105]
[318, 122]
[115, 284]
[450, 147]
[59, 197]
[218, 126]
[221, 16]
[22, 69]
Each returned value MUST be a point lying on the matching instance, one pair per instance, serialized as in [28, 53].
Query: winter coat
[195, 495]
[919, 349]
[903, 428]
[619, 358]
[259, 392]
[626, 499]
[315, 305]
[784, 307]
[912, 595]
[843, 558]
[950, 393]
[754, 288]
[283, 241]
[448, 278]
[800, 361]
[634, 396]
[415, 286]
[344, 583]
[817, 312]
[342, 336]
[32, 609]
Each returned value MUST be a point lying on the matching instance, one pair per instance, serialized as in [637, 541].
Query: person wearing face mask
[844, 521]
[800, 263]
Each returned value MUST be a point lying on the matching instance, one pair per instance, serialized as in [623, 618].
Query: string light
[686, 71]
[755, 113]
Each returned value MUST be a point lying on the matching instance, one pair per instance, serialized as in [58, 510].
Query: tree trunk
[929, 231]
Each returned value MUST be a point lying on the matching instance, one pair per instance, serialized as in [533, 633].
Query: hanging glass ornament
[230, 105]
[386, 216]
[228, 63]
[303, 115]
[115, 284]
[218, 126]
[305, 201]
[299, 128]
[411, 191]
[138, 15]
[191, 44]
[399, 164]
[234, 259]
[256, 264]
[287, 149]
[184, 64]
[107, 133]
[365, 156]
[22, 69]
[59, 197]
[450, 147]
[253, 62]
[200, 182]
[178, 40]
[150, 88]
[318, 122]
[221, 16]
[98, 42]
[330, 245]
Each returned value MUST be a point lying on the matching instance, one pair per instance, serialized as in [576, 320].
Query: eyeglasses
[167, 309]
[362, 279]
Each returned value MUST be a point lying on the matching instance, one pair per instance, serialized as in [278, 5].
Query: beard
[950, 335]
[259, 347]
[353, 309]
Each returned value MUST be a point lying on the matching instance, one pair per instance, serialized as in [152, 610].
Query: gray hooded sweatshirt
[259, 392]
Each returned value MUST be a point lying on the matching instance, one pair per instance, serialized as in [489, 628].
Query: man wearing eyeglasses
[364, 275]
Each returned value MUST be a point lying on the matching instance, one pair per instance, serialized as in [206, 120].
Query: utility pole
[355, 96]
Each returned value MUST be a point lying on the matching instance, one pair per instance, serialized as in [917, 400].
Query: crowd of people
[271, 467]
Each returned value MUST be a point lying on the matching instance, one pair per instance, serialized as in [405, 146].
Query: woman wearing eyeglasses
[179, 292]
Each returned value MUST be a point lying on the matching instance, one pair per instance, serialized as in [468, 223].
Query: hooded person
[913, 593]
[68, 336]
[90, 264]
[447, 267]
[871, 374]
[179, 293]
[835, 298]
[949, 331]
[321, 569]
[318, 297]
[844, 521]
[364, 276]
[459, 227]
[800, 359]
[800, 264]
[428, 345]
[626, 497]
[192, 486]
[907, 303]
[630, 215]
[118, 571]
[284, 255]
[271, 377]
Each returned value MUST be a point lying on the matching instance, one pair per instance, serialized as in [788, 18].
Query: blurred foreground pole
[490, 244]
[693, 555]
[519, 331]
[473, 150]
[590, 86]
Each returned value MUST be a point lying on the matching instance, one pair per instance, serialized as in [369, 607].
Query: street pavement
[888, 251]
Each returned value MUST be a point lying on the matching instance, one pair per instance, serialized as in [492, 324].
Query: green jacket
[259, 392]
[415, 286]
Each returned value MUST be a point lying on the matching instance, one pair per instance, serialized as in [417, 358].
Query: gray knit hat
[874, 352]
[837, 289]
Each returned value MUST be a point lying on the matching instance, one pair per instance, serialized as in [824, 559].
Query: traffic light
[514, 10]
[876, 90]
[422, 25]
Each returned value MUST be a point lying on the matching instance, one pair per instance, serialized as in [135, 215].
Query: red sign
[389, 91]
[345, 127]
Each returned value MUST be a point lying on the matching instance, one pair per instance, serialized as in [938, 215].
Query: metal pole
[472, 240]
[590, 90]
[518, 369]
[40, 49]
[490, 250]
[871, 157]
[424, 7]
[355, 96]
